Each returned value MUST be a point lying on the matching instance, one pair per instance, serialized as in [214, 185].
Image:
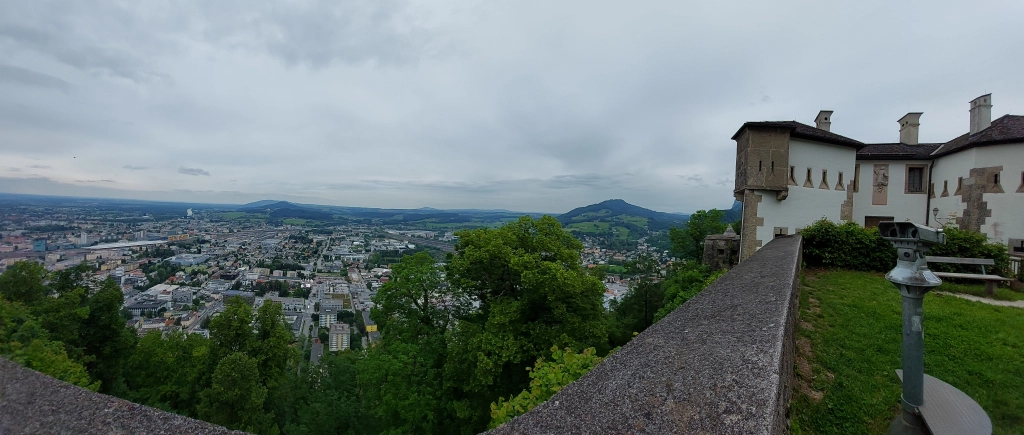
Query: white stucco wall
[947, 169]
[1007, 220]
[805, 205]
[901, 206]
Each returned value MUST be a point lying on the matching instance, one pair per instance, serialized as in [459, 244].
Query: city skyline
[522, 106]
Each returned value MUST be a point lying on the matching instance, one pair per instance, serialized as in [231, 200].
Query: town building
[140, 308]
[289, 304]
[188, 259]
[789, 175]
[328, 317]
[248, 297]
[339, 337]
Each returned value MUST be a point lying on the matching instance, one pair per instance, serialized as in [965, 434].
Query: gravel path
[1018, 304]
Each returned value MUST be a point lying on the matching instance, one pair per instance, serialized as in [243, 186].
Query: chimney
[981, 113]
[908, 127]
[822, 121]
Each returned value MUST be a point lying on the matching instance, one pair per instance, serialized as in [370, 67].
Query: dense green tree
[347, 317]
[68, 280]
[403, 378]
[169, 372]
[546, 379]
[231, 330]
[90, 328]
[737, 226]
[24, 341]
[635, 311]
[404, 388]
[333, 403]
[106, 339]
[533, 294]
[688, 242]
[235, 397]
[63, 315]
[270, 344]
[599, 271]
[23, 282]
[416, 303]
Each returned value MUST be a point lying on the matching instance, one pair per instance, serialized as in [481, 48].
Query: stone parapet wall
[721, 363]
[31, 402]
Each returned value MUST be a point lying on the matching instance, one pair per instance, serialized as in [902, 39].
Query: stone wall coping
[721, 363]
[32, 402]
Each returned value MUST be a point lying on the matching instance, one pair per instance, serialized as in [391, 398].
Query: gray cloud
[695, 180]
[193, 171]
[525, 105]
[320, 32]
[74, 46]
[41, 167]
[24, 76]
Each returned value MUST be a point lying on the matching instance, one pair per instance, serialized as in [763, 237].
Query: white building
[328, 317]
[339, 337]
[789, 175]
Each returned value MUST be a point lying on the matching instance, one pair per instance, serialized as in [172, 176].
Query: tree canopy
[688, 242]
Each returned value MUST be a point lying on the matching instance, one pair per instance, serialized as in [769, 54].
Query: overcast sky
[522, 105]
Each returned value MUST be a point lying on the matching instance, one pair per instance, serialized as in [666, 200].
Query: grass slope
[848, 346]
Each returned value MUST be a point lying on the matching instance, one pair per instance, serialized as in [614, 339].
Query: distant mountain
[735, 213]
[287, 210]
[260, 204]
[621, 217]
[422, 216]
[271, 205]
[618, 213]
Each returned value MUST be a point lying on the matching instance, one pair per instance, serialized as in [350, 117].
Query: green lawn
[621, 232]
[588, 227]
[848, 346]
[241, 215]
[636, 220]
[591, 215]
[294, 221]
[232, 214]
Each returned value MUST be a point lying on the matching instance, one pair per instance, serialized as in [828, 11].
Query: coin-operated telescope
[929, 406]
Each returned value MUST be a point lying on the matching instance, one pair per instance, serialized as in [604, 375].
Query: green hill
[620, 218]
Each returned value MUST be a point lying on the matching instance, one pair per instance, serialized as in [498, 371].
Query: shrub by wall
[850, 246]
[847, 246]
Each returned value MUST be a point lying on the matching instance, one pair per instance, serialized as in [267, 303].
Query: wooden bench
[990, 280]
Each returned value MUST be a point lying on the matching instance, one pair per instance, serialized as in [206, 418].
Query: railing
[720, 363]
[31, 402]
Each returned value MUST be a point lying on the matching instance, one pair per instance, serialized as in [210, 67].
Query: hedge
[847, 246]
[850, 246]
